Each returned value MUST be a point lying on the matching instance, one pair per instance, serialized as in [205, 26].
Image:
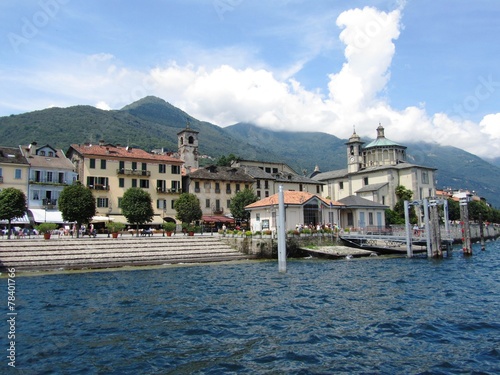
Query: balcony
[133, 172]
[218, 211]
[160, 190]
[98, 187]
[49, 203]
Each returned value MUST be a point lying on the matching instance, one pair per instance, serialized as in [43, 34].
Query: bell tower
[187, 143]
[354, 153]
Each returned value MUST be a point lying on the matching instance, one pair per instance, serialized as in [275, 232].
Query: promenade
[67, 253]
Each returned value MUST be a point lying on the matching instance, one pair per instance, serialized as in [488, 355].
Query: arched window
[191, 140]
[182, 140]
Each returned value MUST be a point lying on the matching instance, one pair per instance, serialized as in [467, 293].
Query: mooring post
[409, 249]
[281, 231]
[464, 222]
[425, 203]
[435, 231]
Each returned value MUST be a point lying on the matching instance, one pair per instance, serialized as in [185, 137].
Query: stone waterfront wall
[267, 246]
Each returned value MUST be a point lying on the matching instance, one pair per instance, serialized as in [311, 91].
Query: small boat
[381, 246]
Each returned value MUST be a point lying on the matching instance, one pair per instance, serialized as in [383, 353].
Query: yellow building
[110, 170]
[14, 169]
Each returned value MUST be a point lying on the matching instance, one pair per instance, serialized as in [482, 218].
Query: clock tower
[354, 153]
[188, 147]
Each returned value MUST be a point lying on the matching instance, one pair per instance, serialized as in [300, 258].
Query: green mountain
[153, 123]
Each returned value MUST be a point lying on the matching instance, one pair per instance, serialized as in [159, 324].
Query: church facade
[375, 170]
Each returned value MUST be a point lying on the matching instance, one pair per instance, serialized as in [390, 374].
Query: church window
[191, 140]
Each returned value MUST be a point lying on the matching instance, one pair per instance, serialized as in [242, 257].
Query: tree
[239, 202]
[225, 161]
[77, 204]
[188, 208]
[12, 205]
[397, 215]
[137, 207]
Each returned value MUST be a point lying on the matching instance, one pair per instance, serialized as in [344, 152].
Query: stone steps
[103, 252]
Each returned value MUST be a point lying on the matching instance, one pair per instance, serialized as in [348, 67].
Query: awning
[216, 219]
[18, 220]
[101, 219]
[39, 215]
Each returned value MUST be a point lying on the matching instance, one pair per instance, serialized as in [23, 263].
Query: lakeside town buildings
[361, 192]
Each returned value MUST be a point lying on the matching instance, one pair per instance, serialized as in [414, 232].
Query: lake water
[370, 316]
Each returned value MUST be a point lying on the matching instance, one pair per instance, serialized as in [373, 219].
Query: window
[176, 169]
[49, 176]
[134, 165]
[197, 186]
[365, 181]
[36, 195]
[103, 163]
[120, 202]
[266, 184]
[18, 174]
[144, 166]
[161, 204]
[121, 165]
[162, 168]
[237, 188]
[92, 163]
[161, 185]
[172, 204]
[207, 203]
[51, 153]
[121, 182]
[228, 203]
[42, 153]
[102, 202]
[134, 182]
[176, 186]
[258, 184]
[370, 218]
[258, 194]
[191, 140]
[341, 185]
[228, 188]
[301, 187]
[257, 217]
[144, 184]
[61, 178]
[318, 189]
[275, 170]
[425, 177]
[207, 186]
[217, 187]
[268, 169]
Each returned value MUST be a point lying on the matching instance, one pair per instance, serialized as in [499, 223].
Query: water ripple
[370, 316]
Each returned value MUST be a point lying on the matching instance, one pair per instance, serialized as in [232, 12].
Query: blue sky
[425, 69]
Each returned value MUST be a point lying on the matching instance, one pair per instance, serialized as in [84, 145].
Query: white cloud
[237, 92]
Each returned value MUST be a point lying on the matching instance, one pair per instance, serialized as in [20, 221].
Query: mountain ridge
[152, 122]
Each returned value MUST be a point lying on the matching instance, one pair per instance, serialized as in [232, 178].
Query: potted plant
[46, 229]
[115, 228]
[188, 228]
[169, 227]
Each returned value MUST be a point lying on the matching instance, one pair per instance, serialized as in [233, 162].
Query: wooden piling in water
[464, 223]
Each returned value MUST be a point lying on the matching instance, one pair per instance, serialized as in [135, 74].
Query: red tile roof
[291, 198]
[110, 151]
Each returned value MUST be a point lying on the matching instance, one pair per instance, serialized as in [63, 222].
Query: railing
[49, 202]
[218, 211]
[133, 172]
[168, 191]
[98, 187]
